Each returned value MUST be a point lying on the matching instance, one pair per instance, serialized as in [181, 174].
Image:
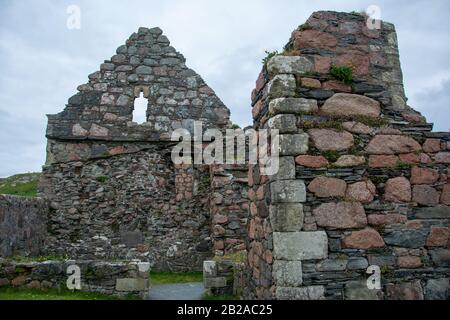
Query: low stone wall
[22, 225]
[113, 278]
[223, 277]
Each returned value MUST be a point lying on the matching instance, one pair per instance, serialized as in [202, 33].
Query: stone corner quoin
[369, 184]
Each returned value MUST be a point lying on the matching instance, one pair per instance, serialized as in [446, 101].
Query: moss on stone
[342, 73]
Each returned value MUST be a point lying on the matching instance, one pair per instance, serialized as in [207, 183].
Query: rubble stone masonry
[363, 180]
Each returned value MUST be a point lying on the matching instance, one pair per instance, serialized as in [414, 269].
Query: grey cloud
[43, 62]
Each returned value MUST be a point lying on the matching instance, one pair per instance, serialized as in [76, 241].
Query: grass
[102, 179]
[371, 121]
[15, 185]
[238, 257]
[9, 293]
[342, 73]
[171, 277]
[209, 296]
[21, 259]
[269, 55]
[304, 27]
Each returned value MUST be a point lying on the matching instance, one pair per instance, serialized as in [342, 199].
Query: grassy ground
[171, 278]
[25, 185]
[9, 293]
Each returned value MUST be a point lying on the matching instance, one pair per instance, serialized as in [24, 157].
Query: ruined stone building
[363, 180]
[114, 190]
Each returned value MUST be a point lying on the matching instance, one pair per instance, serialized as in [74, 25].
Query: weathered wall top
[342, 39]
[102, 110]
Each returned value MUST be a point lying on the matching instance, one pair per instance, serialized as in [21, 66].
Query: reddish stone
[342, 215]
[4, 282]
[364, 239]
[260, 193]
[345, 104]
[322, 64]
[425, 195]
[98, 131]
[376, 161]
[363, 191]
[432, 145]
[392, 144]
[268, 256]
[425, 159]
[325, 187]
[350, 161]
[331, 140]
[409, 262]
[410, 158]
[445, 196]
[414, 117]
[252, 229]
[18, 281]
[439, 237]
[414, 225]
[313, 39]
[35, 284]
[386, 219]
[312, 161]
[251, 194]
[359, 61]
[424, 176]
[260, 82]
[442, 157]
[220, 219]
[357, 127]
[310, 83]
[219, 245]
[257, 108]
[336, 86]
[398, 190]
[118, 150]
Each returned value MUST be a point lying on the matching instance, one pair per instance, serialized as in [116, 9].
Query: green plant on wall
[342, 73]
[269, 55]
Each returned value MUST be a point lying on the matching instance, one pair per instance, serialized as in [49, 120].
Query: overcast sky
[42, 61]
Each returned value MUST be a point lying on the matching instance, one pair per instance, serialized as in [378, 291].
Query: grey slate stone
[406, 238]
[286, 217]
[288, 191]
[287, 273]
[292, 106]
[294, 246]
[294, 144]
[304, 293]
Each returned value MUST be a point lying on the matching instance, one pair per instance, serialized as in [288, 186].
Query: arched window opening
[140, 109]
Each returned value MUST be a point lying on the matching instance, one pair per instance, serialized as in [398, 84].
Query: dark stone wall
[135, 205]
[22, 226]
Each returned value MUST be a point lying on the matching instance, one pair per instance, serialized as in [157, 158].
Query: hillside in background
[23, 184]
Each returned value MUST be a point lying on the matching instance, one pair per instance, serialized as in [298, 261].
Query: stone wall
[128, 206]
[113, 278]
[229, 208]
[223, 277]
[23, 224]
[362, 181]
[111, 182]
